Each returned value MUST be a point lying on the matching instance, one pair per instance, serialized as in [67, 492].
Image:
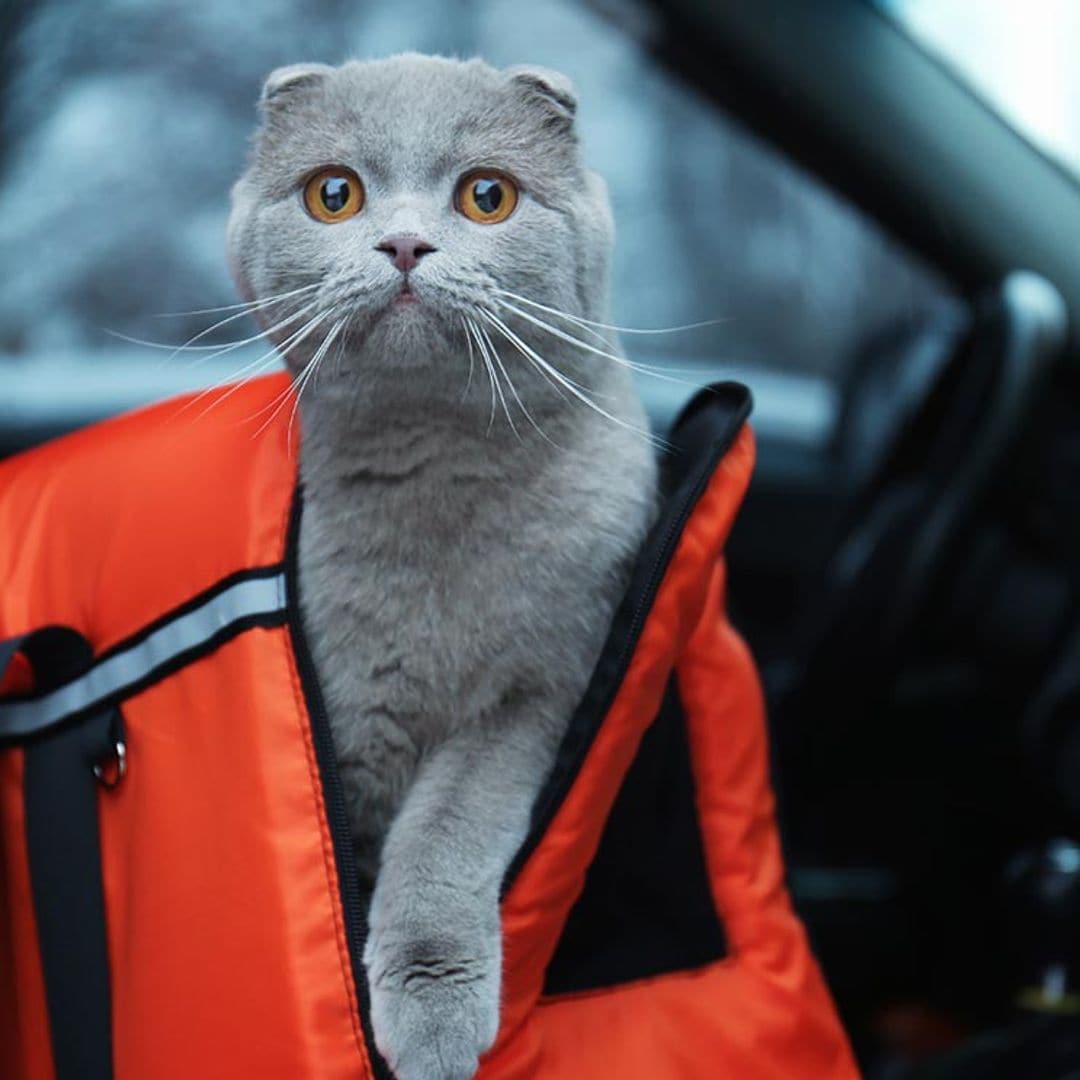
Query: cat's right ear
[283, 83]
[551, 89]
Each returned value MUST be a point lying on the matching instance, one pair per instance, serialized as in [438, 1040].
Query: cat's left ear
[283, 82]
[549, 88]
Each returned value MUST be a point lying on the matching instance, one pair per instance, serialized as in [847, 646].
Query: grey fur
[457, 578]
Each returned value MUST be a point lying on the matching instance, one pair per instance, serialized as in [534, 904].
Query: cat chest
[409, 621]
[420, 654]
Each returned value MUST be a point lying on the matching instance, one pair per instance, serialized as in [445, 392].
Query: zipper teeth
[553, 797]
[356, 927]
[655, 574]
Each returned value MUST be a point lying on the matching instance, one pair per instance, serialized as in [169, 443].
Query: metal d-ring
[110, 772]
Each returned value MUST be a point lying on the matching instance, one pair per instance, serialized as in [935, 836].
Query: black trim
[64, 855]
[701, 437]
[352, 902]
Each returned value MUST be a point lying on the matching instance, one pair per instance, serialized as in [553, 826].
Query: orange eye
[486, 196]
[333, 194]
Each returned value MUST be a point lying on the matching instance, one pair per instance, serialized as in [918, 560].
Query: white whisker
[311, 373]
[472, 362]
[265, 359]
[216, 350]
[485, 344]
[643, 369]
[247, 305]
[254, 367]
[568, 383]
[282, 396]
[567, 378]
[513, 389]
[279, 400]
[340, 351]
[474, 330]
[300, 313]
[583, 322]
[217, 326]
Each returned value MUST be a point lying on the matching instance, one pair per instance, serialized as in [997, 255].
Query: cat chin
[407, 338]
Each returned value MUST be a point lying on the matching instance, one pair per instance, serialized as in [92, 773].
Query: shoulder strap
[71, 730]
[60, 790]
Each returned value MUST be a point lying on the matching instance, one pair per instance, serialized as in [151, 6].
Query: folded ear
[548, 87]
[283, 82]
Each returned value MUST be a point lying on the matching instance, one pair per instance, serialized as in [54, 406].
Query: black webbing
[55, 653]
[61, 793]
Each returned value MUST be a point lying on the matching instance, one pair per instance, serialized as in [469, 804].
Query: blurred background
[862, 193]
[125, 123]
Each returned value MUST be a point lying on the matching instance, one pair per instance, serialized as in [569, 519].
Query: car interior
[911, 591]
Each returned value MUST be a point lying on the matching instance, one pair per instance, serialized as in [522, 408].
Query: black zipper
[727, 406]
[355, 915]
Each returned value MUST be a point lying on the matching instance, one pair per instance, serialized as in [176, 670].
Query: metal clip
[111, 771]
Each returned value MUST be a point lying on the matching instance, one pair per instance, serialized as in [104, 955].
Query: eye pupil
[488, 195]
[334, 193]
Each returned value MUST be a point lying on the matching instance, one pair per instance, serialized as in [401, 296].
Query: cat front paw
[433, 1017]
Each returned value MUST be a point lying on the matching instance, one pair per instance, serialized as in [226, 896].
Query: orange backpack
[177, 889]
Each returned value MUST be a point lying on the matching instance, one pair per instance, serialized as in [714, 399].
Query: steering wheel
[925, 471]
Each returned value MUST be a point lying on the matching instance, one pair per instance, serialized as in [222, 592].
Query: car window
[124, 125]
[1020, 58]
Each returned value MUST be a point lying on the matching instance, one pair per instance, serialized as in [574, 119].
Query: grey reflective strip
[247, 598]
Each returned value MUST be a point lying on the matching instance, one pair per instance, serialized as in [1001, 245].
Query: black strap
[61, 793]
[55, 653]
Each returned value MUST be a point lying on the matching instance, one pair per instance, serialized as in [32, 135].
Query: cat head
[395, 199]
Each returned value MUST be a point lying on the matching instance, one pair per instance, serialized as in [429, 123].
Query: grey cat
[464, 539]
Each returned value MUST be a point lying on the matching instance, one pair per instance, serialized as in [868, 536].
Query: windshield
[1019, 55]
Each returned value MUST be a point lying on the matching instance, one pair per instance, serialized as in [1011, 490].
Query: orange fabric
[226, 936]
[222, 932]
[763, 1013]
[108, 529]
[539, 901]
[226, 932]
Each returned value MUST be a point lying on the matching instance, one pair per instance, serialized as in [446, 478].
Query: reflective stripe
[120, 671]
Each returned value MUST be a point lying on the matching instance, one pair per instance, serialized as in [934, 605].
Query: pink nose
[404, 251]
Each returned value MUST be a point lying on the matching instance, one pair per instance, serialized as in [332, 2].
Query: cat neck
[373, 418]
[411, 470]
[389, 437]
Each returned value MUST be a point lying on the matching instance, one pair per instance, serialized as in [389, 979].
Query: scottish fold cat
[475, 481]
